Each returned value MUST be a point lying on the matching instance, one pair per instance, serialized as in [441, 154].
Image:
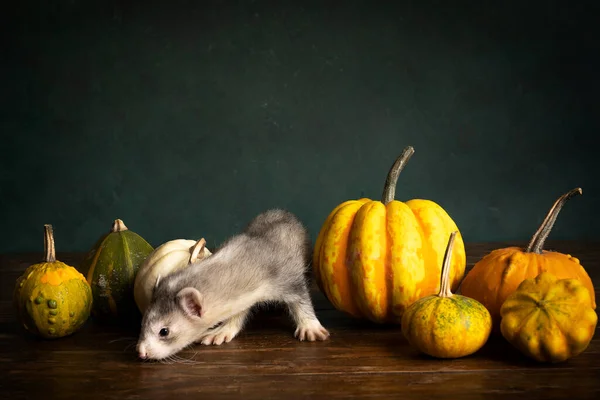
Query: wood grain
[361, 360]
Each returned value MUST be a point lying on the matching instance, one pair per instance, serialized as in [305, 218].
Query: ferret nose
[142, 352]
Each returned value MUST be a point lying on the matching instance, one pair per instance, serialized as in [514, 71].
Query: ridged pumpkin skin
[446, 325]
[52, 299]
[549, 319]
[498, 274]
[110, 267]
[372, 259]
[166, 259]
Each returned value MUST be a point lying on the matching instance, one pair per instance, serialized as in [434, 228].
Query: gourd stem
[389, 189]
[539, 237]
[445, 280]
[196, 249]
[118, 226]
[50, 253]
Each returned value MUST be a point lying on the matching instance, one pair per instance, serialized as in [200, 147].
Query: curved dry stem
[389, 189]
[445, 280]
[49, 251]
[118, 226]
[539, 237]
[196, 249]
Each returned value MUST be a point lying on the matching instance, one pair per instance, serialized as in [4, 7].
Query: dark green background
[185, 119]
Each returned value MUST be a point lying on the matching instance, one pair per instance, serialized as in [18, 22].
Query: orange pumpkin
[497, 275]
[373, 259]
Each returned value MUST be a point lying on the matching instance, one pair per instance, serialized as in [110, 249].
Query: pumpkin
[372, 259]
[52, 299]
[549, 319]
[164, 260]
[110, 267]
[447, 325]
[497, 275]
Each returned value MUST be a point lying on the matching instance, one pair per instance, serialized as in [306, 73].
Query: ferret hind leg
[308, 326]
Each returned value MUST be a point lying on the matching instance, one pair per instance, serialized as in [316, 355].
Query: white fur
[265, 263]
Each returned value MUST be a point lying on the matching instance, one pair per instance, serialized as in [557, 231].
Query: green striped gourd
[110, 267]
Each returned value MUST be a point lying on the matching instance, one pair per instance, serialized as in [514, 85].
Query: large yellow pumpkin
[373, 259]
[498, 274]
[52, 299]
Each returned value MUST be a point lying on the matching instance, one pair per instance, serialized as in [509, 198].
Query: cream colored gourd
[164, 260]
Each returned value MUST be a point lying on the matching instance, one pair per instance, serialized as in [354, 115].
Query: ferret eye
[164, 332]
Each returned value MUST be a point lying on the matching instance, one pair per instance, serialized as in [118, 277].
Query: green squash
[52, 299]
[111, 266]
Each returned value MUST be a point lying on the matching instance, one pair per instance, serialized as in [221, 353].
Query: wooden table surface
[265, 361]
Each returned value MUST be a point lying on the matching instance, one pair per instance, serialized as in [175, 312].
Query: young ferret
[209, 301]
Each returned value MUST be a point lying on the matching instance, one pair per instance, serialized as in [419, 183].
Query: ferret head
[172, 322]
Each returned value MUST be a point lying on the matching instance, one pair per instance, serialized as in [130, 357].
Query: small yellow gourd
[52, 299]
[167, 258]
[447, 325]
[549, 319]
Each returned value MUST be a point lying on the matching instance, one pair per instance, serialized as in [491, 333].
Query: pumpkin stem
[389, 190]
[196, 249]
[118, 226]
[50, 253]
[445, 280]
[539, 237]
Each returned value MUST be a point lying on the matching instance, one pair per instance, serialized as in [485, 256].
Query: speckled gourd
[52, 299]
[447, 325]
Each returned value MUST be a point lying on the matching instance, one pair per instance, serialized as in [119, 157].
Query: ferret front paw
[311, 331]
[223, 334]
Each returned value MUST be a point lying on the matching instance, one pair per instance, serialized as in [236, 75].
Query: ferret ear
[191, 301]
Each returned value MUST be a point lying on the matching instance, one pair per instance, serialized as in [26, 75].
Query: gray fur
[267, 262]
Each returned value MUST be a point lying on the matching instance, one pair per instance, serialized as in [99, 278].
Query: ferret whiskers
[129, 346]
[122, 338]
[132, 342]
